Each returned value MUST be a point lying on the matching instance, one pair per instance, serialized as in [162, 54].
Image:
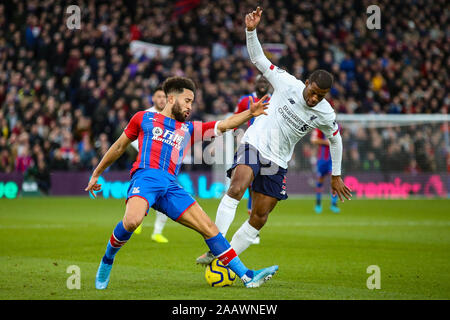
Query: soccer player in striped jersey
[159, 102]
[295, 108]
[163, 139]
[324, 167]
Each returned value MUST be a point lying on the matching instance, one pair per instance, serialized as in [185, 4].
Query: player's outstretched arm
[254, 48]
[253, 18]
[113, 153]
[277, 77]
[237, 119]
[337, 185]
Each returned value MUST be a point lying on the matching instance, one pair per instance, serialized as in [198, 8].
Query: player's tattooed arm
[113, 153]
[234, 121]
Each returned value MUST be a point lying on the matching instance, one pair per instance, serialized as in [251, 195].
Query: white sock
[225, 213]
[160, 221]
[244, 237]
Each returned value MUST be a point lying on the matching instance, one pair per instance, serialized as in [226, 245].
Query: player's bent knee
[131, 223]
[236, 191]
[134, 214]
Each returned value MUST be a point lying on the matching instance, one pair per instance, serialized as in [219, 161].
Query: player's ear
[306, 82]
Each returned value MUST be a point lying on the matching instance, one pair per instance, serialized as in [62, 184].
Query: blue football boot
[260, 276]
[318, 208]
[102, 277]
[335, 208]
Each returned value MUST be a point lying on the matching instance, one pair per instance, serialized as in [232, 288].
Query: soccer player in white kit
[261, 160]
[159, 101]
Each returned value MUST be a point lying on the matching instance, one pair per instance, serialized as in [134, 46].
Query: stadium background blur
[66, 95]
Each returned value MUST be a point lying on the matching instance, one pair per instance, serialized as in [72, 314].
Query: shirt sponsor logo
[184, 127]
[157, 131]
[293, 119]
[136, 190]
[168, 136]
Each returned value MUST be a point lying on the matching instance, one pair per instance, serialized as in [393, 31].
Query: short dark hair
[177, 84]
[158, 88]
[322, 78]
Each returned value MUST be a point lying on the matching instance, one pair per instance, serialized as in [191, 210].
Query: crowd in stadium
[66, 95]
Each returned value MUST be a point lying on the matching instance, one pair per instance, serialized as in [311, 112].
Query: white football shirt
[289, 118]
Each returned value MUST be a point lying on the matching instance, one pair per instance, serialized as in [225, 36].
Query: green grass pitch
[322, 256]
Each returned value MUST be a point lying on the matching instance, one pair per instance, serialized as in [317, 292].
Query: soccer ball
[218, 275]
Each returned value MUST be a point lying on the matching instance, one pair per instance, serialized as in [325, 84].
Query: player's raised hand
[93, 186]
[252, 19]
[259, 107]
[338, 187]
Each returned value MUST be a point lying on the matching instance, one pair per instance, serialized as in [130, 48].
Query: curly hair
[177, 84]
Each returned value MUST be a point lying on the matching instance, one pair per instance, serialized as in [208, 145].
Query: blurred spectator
[87, 153]
[412, 167]
[24, 160]
[58, 162]
[6, 161]
[371, 164]
[41, 174]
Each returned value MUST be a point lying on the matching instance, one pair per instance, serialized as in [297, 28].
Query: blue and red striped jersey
[323, 152]
[163, 141]
[244, 104]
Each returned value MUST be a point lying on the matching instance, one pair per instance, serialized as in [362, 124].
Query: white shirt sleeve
[328, 125]
[217, 132]
[135, 145]
[330, 129]
[336, 154]
[256, 52]
[277, 77]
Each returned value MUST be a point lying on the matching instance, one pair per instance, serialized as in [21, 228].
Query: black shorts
[270, 179]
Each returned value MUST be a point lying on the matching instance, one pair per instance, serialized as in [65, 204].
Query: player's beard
[261, 91]
[160, 108]
[178, 113]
